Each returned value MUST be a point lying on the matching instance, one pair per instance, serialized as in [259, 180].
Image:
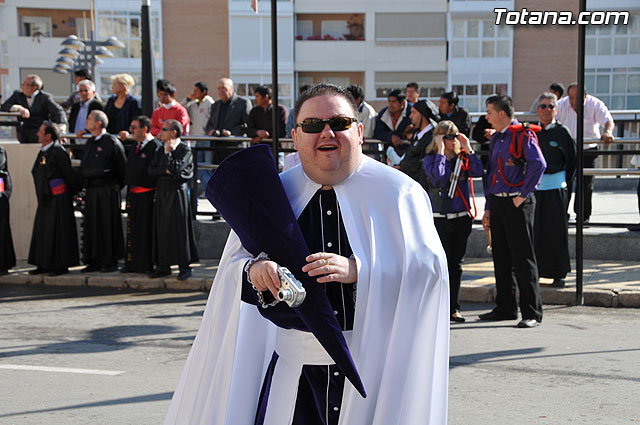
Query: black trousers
[587, 183]
[514, 259]
[454, 234]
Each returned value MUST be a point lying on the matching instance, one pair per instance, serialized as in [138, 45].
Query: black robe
[54, 241]
[102, 169]
[140, 207]
[173, 238]
[551, 230]
[7, 254]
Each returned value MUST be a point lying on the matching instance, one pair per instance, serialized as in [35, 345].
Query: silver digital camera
[291, 290]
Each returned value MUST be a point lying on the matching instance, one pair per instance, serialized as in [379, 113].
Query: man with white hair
[81, 109]
[228, 116]
[34, 106]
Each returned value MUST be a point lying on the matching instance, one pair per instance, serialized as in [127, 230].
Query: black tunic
[103, 170]
[140, 207]
[54, 241]
[7, 254]
[320, 387]
[173, 238]
[551, 231]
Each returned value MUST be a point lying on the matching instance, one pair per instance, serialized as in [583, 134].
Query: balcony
[330, 27]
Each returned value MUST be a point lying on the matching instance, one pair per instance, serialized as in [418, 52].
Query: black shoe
[59, 272]
[528, 323]
[184, 274]
[558, 283]
[90, 268]
[493, 316]
[159, 273]
[4, 272]
[39, 270]
[108, 269]
[456, 317]
[126, 269]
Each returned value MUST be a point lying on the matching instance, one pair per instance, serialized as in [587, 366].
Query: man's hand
[264, 276]
[256, 140]
[210, 133]
[331, 268]
[607, 137]
[24, 112]
[80, 133]
[225, 133]
[395, 140]
[263, 134]
[123, 135]
[518, 200]
[486, 222]
[488, 132]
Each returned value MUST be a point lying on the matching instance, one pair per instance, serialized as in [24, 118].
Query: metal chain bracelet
[262, 256]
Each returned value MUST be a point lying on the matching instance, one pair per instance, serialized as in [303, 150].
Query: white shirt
[367, 116]
[596, 114]
[47, 146]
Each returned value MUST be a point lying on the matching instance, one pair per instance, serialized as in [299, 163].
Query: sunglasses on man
[545, 106]
[316, 125]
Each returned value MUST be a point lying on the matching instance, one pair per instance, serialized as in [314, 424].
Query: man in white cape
[399, 339]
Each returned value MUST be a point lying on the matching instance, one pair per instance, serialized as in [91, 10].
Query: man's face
[198, 94]
[444, 106]
[495, 117]
[225, 91]
[412, 94]
[28, 88]
[85, 93]
[573, 97]
[91, 123]
[395, 106]
[166, 134]
[546, 111]
[43, 138]
[328, 157]
[416, 118]
[137, 133]
[262, 101]
[165, 98]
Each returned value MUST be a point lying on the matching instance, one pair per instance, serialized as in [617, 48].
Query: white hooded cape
[400, 341]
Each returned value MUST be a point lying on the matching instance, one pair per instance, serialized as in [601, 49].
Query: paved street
[83, 355]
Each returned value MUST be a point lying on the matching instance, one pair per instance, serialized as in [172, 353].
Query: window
[618, 88]
[336, 29]
[605, 40]
[432, 84]
[126, 27]
[410, 27]
[36, 26]
[304, 28]
[474, 38]
[473, 96]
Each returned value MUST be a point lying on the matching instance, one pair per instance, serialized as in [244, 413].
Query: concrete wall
[23, 202]
[195, 43]
[543, 54]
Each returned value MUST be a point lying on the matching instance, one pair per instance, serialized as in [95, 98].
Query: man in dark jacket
[449, 110]
[54, 241]
[393, 120]
[228, 116]
[173, 237]
[34, 107]
[102, 169]
[259, 123]
[140, 197]
[424, 117]
[81, 109]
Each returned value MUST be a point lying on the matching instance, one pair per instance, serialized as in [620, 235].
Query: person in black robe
[7, 254]
[141, 189]
[551, 230]
[173, 238]
[54, 241]
[102, 169]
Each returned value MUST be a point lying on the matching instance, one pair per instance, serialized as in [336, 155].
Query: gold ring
[326, 261]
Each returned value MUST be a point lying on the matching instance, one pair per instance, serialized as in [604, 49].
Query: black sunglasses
[545, 106]
[450, 136]
[315, 125]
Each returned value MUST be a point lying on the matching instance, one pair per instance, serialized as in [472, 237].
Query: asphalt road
[79, 356]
